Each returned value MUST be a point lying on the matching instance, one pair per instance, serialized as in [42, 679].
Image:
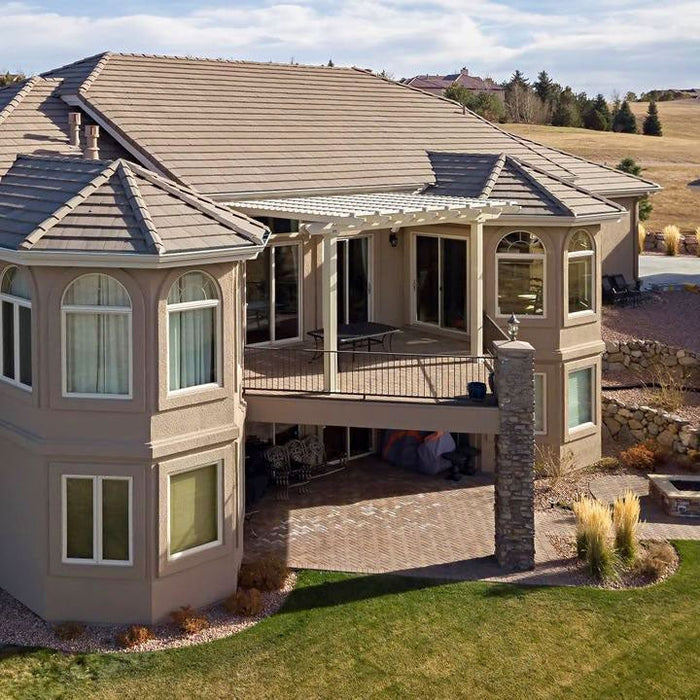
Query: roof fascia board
[547, 220]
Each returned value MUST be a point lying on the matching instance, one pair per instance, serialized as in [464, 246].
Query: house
[171, 231]
[437, 84]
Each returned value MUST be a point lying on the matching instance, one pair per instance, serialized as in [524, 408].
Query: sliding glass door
[440, 281]
[272, 295]
[354, 280]
[353, 442]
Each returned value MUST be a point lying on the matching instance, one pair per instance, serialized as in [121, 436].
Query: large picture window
[97, 520]
[194, 502]
[16, 328]
[581, 266]
[193, 332]
[580, 403]
[96, 312]
[520, 275]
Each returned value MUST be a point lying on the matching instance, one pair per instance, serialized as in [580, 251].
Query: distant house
[437, 84]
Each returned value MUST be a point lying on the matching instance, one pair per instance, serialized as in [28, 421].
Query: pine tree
[518, 78]
[544, 86]
[566, 113]
[624, 121]
[645, 207]
[652, 124]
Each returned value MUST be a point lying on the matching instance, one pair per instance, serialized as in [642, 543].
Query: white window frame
[97, 558]
[219, 511]
[522, 257]
[414, 286]
[16, 303]
[344, 240]
[581, 254]
[273, 297]
[594, 407]
[88, 309]
[544, 403]
[189, 306]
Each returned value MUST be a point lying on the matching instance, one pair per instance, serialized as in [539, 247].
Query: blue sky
[597, 45]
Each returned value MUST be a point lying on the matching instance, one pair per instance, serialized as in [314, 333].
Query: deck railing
[377, 374]
[492, 332]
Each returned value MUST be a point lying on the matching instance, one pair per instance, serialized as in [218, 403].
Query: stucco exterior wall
[619, 242]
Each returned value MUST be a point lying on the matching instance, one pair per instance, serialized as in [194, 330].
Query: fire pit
[677, 495]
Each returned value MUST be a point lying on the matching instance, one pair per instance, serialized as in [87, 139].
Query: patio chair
[298, 459]
[613, 295]
[636, 295]
[277, 459]
[318, 457]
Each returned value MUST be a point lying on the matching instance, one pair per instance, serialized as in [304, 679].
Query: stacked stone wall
[641, 354]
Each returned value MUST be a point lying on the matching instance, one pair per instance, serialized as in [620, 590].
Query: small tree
[483, 103]
[624, 121]
[8, 78]
[652, 124]
[645, 207]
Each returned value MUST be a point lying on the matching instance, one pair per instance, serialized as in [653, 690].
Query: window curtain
[580, 398]
[79, 518]
[192, 348]
[194, 519]
[115, 519]
[97, 353]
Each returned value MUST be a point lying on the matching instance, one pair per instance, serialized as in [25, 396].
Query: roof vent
[74, 119]
[92, 133]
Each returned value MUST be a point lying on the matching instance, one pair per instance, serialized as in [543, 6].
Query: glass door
[272, 295]
[353, 280]
[354, 442]
[441, 281]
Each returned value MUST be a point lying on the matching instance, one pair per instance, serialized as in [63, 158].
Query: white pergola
[335, 215]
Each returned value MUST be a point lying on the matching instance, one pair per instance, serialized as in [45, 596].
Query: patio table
[357, 335]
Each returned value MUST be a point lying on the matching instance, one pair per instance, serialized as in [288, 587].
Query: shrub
[607, 464]
[641, 237]
[626, 520]
[68, 631]
[672, 240]
[245, 601]
[134, 636]
[593, 531]
[662, 454]
[670, 386]
[656, 561]
[188, 620]
[267, 574]
[637, 457]
[549, 464]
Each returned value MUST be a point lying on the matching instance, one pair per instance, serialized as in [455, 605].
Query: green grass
[370, 636]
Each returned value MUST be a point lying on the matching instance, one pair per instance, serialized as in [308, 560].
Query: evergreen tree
[598, 116]
[518, 78]
[566, 112]
[652, 124]
[624, 120]
[544, 87]
[645, 207]
[484, 104]
[330, 63]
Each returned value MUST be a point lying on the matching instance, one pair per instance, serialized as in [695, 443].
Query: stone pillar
[515, 456]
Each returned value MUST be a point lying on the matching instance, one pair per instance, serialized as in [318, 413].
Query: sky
[597, 45]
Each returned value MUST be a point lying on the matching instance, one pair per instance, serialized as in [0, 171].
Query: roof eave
[549, 220]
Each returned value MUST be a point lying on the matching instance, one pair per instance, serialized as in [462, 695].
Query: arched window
[16, 327]
[581, 265]
[520, 275]
[193, 332]
[96, 312]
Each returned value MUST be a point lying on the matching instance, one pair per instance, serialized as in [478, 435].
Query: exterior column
[329, 305]
[476, 289]
[515, 455]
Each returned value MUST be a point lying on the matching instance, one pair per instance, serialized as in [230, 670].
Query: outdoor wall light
[513, 325]
[393, 240]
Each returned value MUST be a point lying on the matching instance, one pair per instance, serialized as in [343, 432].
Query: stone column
[515, 456]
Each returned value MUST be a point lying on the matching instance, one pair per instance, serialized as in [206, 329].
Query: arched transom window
[581, 269]
[16, 327]
[520, 275]
[193, 332]
[96, 312]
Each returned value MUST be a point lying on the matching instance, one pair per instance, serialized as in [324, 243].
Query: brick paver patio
[376, 518]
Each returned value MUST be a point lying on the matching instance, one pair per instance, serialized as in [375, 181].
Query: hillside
[672, 160]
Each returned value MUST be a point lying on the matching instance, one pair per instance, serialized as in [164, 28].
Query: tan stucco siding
[619, 242]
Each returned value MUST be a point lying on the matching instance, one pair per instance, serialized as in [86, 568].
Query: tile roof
[236, 129]
[504, 177]
[69, 204]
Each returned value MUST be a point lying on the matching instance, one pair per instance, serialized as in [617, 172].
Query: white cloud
[617, 41]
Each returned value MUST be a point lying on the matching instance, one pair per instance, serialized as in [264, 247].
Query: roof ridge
[493, 176]
[138, 206]
[68, 206]
[521, 169]
[97, 69]
[10, 107]
[219, 213]
[63, 157]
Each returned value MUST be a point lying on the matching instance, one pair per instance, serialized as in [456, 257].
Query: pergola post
[329, 305]
[476, 289]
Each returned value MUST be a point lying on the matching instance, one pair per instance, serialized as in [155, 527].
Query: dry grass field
[672, 160]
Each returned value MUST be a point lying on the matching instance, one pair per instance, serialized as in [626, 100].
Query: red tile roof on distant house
[438, 83]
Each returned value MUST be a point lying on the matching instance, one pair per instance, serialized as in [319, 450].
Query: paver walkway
[375, 518]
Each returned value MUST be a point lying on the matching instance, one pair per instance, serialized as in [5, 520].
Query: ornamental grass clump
[641, 237]
[626, 520]
[697, 241]
[593, 535]
[672, 240]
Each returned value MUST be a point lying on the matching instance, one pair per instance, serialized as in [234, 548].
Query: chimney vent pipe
[74, 119]
[92, 133]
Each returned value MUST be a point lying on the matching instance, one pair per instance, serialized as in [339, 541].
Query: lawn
[346, 636]
[672, 160]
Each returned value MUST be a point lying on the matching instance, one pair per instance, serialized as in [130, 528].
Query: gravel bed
[673, 317]
[20, 627]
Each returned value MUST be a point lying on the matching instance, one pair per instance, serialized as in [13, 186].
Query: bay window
[580, 397]
[96, 317]
[581, 266]
[520, 275]
[16, 328]
[193, 332]
[97, 519]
